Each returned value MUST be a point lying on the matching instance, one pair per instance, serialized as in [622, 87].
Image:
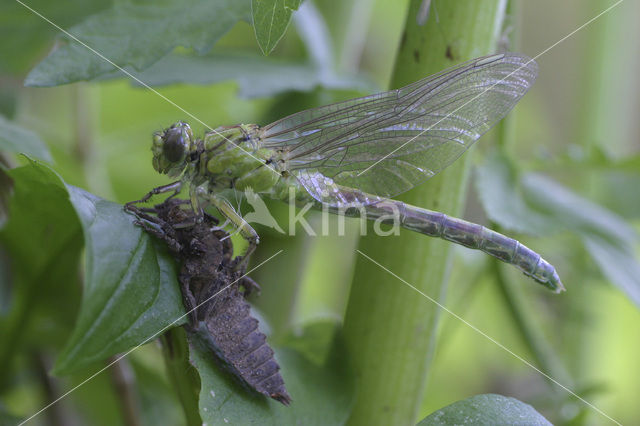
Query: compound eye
[174, 145]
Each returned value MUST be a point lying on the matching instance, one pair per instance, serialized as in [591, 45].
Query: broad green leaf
[257, 76]
[487, 409]
[607, 237]
[575, 158]
[42, 238]
[7, 418]
[574, 212]
[130, 292]
[631, 163]
[16, 139]
[618, 263]
[536, 204]
[137, 33]
[613, 191]
[6, 188]
[28, 36]
[503, 200]
[617, 176]
[315, 343]
[8, 100]
[321, 394]
[270, 21]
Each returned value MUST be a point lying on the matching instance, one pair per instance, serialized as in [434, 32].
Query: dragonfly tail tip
[558, 287]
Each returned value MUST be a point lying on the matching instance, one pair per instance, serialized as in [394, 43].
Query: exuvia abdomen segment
[472, 235]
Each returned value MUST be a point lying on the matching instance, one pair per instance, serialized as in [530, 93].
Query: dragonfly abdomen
[471, 235]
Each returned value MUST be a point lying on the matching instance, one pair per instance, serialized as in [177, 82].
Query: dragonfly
[353, 157]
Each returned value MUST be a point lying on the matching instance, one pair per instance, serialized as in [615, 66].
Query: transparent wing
[386, 143]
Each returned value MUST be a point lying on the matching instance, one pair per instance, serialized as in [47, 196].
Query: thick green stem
[183, 376]
[390, 329]
[529, 330]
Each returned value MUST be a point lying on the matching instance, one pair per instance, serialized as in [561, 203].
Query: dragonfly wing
[384, 144]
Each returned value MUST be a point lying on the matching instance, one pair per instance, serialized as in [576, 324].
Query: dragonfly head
[170, 148]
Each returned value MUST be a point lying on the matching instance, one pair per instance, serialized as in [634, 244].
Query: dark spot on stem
[449, 53]
[416, 55]
[403, 39]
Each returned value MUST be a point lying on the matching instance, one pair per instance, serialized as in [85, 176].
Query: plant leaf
[257, 76]
[131, 291]
[41, 220]
[537, 204]
[137, 33]
[573, 211]
[607, 237]
[322, 394]
[16, 139]
[28, 36]
[270, 21]
[315, 343]
[6, 418]
[503, 200]
[617, 176]
[43, 238]
[487, 409]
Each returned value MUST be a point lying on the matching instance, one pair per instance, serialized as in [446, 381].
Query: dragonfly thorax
[234, 158]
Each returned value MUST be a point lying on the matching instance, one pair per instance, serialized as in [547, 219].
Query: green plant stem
[389, 328]
[182, 374]
[529, 329]
[83, 123]
[543, 354]
[349, 53]
[124, 384]
[40, 365]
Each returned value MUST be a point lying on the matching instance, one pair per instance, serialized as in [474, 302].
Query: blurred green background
[577, 125]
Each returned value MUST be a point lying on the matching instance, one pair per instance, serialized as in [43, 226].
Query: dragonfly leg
[174, 186]
[243, 227]
[189, 301]
[221, 226]
[249, 286]
[155, 226]
[241, 261]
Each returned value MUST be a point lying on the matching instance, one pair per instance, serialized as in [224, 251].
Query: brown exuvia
[214, 287]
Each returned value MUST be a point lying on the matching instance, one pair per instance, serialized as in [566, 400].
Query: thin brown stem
[123, 381]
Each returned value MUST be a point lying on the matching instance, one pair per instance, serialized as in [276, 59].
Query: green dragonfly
[352, 157]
